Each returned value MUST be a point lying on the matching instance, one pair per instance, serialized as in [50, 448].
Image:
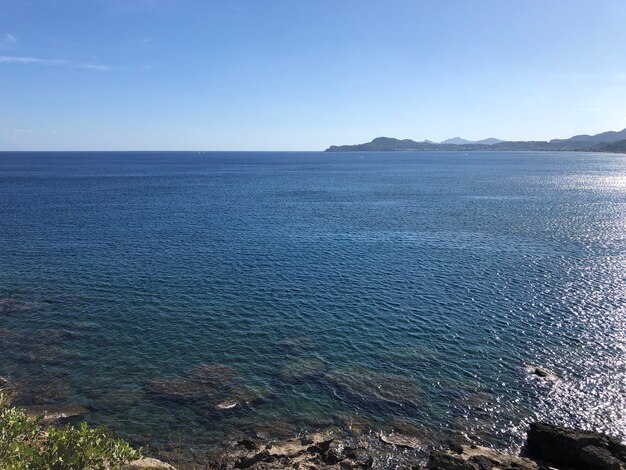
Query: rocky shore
[547, 446]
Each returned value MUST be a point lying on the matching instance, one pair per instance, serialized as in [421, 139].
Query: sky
[305, 74]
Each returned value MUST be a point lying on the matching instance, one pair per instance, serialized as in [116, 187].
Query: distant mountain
[603, 138]
[614, 147]
[578, 142]
[383, 144]
[489, 141]
[460, 141]
[456, 141]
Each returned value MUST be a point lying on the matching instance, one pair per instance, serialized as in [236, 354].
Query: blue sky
[302, 75]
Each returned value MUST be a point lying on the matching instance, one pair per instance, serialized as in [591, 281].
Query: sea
[183, 298]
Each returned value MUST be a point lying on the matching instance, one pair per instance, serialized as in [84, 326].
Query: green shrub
[25, 444]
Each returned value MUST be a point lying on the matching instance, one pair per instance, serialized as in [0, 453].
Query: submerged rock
[296, 346]
[45, 390]
[55, 413]
[9, 306]
[213, 373]
[300, 370]
[276, 429]
[476, 400]
[180, 389]
[204, 382]
[211, 386]
[579, 449]
[51, 337]
[117, 400]
[375, 387]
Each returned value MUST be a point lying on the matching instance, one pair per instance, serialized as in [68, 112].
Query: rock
[401, 440]
[226, 405]
[7, 389]
[375, 387]
[593, 457]
[247, 444]
[477, 458]
[333, 448]
[541, 372]
[10, 306]
[276, 429]
[475, 400]
[213, 373]
[49, 354]
[51, 337]
[300, 370]
[216, 387]
[42, 390]
[54, 413]
[575, 448]
[336, 452]
[147, 463]
[296, 346]
[117, 400]
[247, 462]
[180, 389]
[300, 452]
[243, 395]
[10, 338]
[362, 458]
[353, 422]
[339, 448]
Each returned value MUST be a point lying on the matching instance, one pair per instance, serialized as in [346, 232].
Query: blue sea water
[402, 290]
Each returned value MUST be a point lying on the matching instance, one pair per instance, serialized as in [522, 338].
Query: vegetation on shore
[26, 443]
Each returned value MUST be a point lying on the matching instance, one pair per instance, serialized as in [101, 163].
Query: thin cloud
[6, 59]
[99, 68]
[7, 41]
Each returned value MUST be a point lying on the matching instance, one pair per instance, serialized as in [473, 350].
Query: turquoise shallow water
[405, 290]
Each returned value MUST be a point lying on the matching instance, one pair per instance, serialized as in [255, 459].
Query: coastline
[359, 446]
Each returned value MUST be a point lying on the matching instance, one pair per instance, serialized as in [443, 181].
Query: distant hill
[489, 141]
[578, 142]
[460, 141]
[603, 138]
[383, 144]
[614, 147]
[456, 141]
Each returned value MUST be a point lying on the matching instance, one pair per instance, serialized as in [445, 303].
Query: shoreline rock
[478, 458]
[329, 449]
[148, 463]
[548, 447]
[575, 448]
